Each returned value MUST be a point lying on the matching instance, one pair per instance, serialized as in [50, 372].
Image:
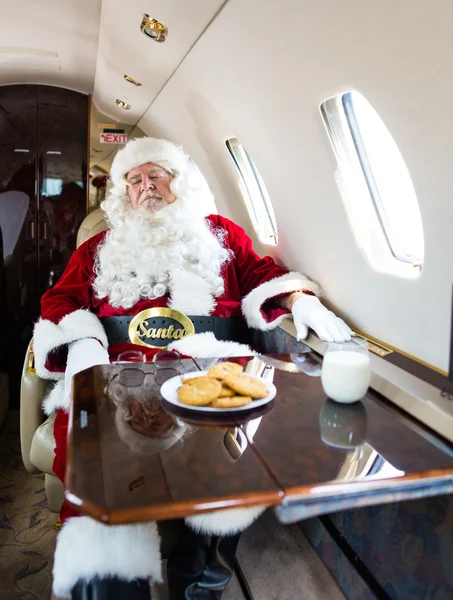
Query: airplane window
[254, 192]
[371, 166]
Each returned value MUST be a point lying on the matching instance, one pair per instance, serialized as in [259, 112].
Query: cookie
[195, 380]
[246, 385]
[233, 402]
[221, 370]
[201, 393]
[226, 392]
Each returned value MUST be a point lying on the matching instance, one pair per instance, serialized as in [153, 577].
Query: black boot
[201, 566]
[111, 589]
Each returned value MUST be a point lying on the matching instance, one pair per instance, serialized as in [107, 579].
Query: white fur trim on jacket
[190, 294]
[206, 345]
[87, 548]
[225, 522]
[252, 303]
[48, 336]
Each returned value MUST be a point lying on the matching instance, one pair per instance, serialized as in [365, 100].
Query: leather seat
[92, 224]
[36, 431]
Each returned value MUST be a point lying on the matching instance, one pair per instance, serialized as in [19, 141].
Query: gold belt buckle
[158, 327]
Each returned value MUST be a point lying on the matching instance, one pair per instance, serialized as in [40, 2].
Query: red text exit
[113, 138]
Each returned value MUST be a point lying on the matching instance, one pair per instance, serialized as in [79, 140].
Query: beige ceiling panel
[32, 32]
[25, 64]
[124, 50]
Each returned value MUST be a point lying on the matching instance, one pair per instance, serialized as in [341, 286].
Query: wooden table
[302, 453]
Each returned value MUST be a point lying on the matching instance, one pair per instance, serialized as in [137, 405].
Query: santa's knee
[93, 559]
[226, 521]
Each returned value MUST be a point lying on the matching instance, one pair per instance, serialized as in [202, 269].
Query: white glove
[309, 312]
[83, 354]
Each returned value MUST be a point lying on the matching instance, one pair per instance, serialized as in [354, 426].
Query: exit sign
[113, 138]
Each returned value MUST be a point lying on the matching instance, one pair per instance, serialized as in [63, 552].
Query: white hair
[142, 248]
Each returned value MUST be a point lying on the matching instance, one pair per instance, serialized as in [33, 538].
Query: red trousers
[60, 431]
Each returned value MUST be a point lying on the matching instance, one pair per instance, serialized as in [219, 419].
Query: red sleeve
[67, 313]
[251, 269]
[260, 280]
[73, 290]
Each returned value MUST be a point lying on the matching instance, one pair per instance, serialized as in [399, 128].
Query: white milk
[345, 375]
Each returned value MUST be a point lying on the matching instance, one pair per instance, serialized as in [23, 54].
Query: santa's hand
[309, 312]
[83, 354]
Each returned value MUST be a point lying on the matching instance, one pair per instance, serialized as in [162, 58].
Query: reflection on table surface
[134, 456]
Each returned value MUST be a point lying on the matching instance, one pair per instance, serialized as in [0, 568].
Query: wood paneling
[303, 448]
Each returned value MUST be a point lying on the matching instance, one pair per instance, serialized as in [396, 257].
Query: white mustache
[151, 202]
[146, 195]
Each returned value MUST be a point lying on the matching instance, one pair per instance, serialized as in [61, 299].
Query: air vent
[12, 57]
[18, 51]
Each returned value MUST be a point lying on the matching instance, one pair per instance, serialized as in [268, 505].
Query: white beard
[151, 254]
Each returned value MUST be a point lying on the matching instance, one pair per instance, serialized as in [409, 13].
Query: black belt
[227, 329]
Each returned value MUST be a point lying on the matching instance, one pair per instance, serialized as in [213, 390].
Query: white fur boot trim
[252, 303]
[225, 522]
[206, 345]
[86, 549]
[49, 336]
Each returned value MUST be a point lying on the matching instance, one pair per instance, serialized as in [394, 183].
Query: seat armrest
[43, 444]
[32, 392]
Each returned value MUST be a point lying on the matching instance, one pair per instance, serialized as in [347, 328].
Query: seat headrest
[93, 223]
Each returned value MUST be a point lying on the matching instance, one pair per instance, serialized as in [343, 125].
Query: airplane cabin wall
[260, 73]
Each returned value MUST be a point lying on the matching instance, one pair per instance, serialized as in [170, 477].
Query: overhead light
[153, 29]
[132, 80]
[106, 125]
[21, 150]
[123, 104]
[53, 152]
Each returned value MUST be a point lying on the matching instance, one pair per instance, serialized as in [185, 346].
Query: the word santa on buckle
[158, 327]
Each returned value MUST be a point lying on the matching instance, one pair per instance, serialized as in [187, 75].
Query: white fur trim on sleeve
[55, 399]
[252, 303]
[206, 345]
[48, 336]
[86, 549]
[225, 522]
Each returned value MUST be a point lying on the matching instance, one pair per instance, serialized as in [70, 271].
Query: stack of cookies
[224, 386]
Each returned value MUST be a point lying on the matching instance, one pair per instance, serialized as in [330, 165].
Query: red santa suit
[71, 311]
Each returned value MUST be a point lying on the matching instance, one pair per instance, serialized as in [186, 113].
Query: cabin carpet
[279, 563]
[27, 527]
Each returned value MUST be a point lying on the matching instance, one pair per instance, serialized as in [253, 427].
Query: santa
[159, 251]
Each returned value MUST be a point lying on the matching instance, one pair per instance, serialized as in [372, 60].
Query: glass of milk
[346, 372]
